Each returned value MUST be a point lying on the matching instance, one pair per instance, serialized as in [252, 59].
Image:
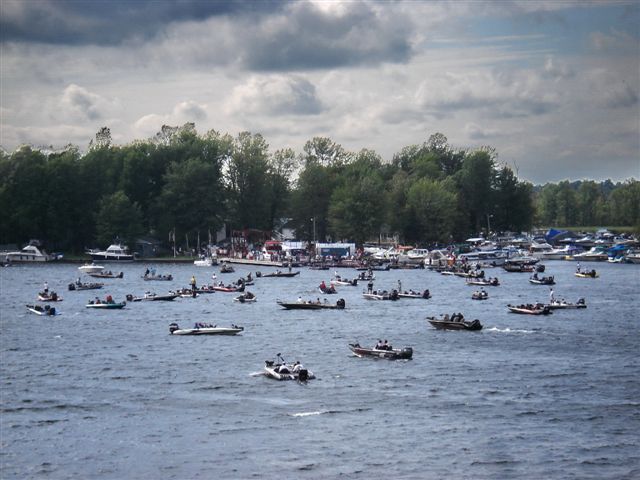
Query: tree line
[184, 183]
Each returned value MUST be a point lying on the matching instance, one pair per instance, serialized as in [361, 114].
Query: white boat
[91, 268]
[174, 329]
[632, 257]
[558, 253]
[285, 371]
[30, 253]
[40, 310]
[204, 262]
[114, 253]
[538, 249]
[418, 254]
[491, 257]
[595, 254]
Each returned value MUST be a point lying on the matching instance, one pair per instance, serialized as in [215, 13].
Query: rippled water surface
[111, 395]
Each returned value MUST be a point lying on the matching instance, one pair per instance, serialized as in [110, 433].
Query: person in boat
[378, 345]
[297, 366]
[483, 292]
[300, 299]
[193, 283]
[446, 317]
[97, 301]
[110, 299]
[535, 276]
[146, 273]
[283, 369]
[46, 288]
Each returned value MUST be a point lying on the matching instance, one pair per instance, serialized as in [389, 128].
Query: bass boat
[40, 310]
[389, 353]
[310, 305]
[105, 305]
[455, 323]
[280, 370]
[529, 309]
[246, 297]
[204, 329]
[542, 280]
[150, 297]
[561, 304]
[414, 294]
[85, 286]
[278, 274]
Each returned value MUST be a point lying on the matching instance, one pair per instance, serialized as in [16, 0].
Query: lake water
[111, 395]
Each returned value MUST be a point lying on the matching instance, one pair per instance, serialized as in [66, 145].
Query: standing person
[46, 287]
[551, 296]
[193, 283]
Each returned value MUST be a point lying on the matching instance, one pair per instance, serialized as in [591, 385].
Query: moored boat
[29, 253]
[456, 322]
[204, 329]
[114, 253]
[404, 353]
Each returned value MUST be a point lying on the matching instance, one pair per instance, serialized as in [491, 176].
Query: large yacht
[115, 253]
[30, 253]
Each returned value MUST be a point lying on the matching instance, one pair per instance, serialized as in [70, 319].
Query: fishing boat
[488, 282]
[49, 297]
[278, 274]
[562, 305]
[381, 295]
[542, 280]
[226, 268]
[246, 297]
[150, 276]
[312, 305]
[530, 309]
[204, 329]
[40, 310]
[226, 288]
[404, 353]
[280, 370]
[151, 297]
[108, 274]
[457, 322]
[480, 295]
[327, 290]
[415, 294]
[341, 281]
[587, 274]
[105, 305]
[84, 286]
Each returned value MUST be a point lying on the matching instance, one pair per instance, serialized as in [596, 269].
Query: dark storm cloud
[311, 39]
[111, 22]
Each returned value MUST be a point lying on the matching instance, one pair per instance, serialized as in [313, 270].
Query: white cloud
[183, 112]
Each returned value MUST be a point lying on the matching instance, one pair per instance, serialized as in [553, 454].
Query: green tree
[118, 218]
[434, 208]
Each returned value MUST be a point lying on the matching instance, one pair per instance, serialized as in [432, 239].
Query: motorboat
[151, 297]
[594, 254]
[278, 274]
[587, 274]
[246, 297]
[632, 256]
[49, 297]
[84, 286]
[484, 282]
[404, 353]
[338, 280]
[457, 322]
[480, 295]
[204, 262]
[280, 370]
[529, 309]
[426, 294]
[105, 305]
[562, 305]
[91, 268]
[30, 253]
[40, 310]
[539, 249]
[327, 290]
[225, 288]
[542, 280]
[114, 253]
[312, 305]
[204, 329]
[381, 295]
[107, 274]
[559, 253]
[151, 275]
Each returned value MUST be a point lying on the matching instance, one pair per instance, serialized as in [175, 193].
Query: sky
[553, 86]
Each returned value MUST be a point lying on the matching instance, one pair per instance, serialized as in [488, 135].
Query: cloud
[557, 70]
[517, 94]
[183, 112]
[275, 95]
[78, 102]
[476, 132]
[78, 22]
[614, 41]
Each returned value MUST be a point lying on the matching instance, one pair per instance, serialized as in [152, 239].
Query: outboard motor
[52, 311]
[72, 286]
[173, 327]
[129, 298]
[540, 268]
[341, 303]
[258, 274]
[303, 375]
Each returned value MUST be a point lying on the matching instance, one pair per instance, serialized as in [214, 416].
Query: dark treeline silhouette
[187, 183]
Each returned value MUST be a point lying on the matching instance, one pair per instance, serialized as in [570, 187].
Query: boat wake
[256, 374]
[309, 414]
[508, 330]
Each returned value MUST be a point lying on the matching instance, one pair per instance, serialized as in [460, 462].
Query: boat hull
[474, 325]
[398, 354]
